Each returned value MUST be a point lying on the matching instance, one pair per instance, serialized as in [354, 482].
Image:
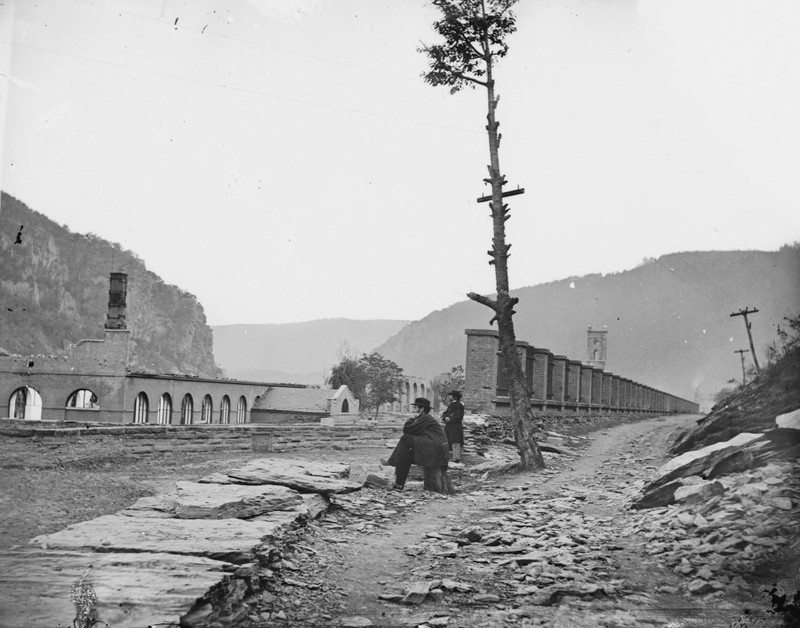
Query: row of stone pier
[556, 382]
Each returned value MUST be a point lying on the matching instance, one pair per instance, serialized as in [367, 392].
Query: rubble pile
[483, 432]
[721, 530]
[537, 549]
[715, 515]
[557, 548]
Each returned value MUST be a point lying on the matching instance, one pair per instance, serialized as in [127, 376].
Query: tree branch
[468, 78]
[491, 303]
[468, 42]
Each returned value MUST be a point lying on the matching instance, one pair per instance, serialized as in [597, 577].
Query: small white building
[304, 405]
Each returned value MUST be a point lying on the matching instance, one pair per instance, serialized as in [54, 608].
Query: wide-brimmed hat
[456, 394]
[421, 402]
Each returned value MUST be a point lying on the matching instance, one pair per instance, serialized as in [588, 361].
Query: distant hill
[54, 291]
[295, 352]
[668, 320]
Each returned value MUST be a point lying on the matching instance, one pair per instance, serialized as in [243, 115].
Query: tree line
[376, 380]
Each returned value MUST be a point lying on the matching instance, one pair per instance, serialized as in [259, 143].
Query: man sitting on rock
[424, 443]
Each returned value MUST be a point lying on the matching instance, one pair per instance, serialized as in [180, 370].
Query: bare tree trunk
[521, 411]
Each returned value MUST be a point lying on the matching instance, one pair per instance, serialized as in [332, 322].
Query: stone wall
[554, 382]
[481, 374]
[23, 445]
[262, 416]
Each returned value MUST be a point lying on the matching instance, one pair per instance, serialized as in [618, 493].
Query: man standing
[453, 419]
[424, 443]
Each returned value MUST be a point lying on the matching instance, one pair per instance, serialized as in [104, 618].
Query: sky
[283, 160]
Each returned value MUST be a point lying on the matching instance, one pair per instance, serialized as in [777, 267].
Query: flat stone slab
[224, 539]
[789, 421]
[161, 506]
[305, 477]
[696, 462]
[232, 501]
[133, 590]
[195, 500]
[306, 467]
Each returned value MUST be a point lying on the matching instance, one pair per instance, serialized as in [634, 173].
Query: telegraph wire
[245, 90]
[725, 292]
[270, 47]
[687, 283]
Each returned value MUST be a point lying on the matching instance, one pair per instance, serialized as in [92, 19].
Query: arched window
[422, 390]
[141, 408]
[206, 409]
[165, 409]
[241, 410]
[83, 398]
[225, 410]
[187, 408]
[345, 407]
[25, 403]
[415, 390]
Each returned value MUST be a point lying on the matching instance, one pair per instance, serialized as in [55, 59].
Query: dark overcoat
[453, 419]
[428, 442]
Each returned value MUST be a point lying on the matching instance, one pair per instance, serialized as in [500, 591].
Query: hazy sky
[283, 161]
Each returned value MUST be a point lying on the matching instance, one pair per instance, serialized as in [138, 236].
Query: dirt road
[581, 562]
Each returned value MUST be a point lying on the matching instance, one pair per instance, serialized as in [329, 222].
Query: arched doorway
[165, 409]
[345, 407]
[25, 403]
[187, 408]
[141, 408]
[225, 410]
[206, 409]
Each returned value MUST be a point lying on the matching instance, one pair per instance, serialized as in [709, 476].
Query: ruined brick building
[92, 382]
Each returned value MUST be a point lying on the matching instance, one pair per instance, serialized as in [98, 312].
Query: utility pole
[741, 353]
[743, 313]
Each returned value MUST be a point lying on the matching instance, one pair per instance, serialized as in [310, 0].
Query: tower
[596, 344]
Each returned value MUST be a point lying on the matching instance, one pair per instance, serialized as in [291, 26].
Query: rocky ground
[42, 500]
[561, 547]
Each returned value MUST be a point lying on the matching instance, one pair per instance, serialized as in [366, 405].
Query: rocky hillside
[725, 508]
[668, 320]
[751, 409]
[54, 292]
[295, 352]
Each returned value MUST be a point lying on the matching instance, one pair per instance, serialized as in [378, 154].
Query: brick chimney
[117, 292]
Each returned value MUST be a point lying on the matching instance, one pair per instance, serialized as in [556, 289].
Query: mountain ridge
[54, 293]
[302, 351]
[683, 298]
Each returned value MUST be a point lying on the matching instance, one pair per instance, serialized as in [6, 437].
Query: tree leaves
[373, 379]
[474, 32]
